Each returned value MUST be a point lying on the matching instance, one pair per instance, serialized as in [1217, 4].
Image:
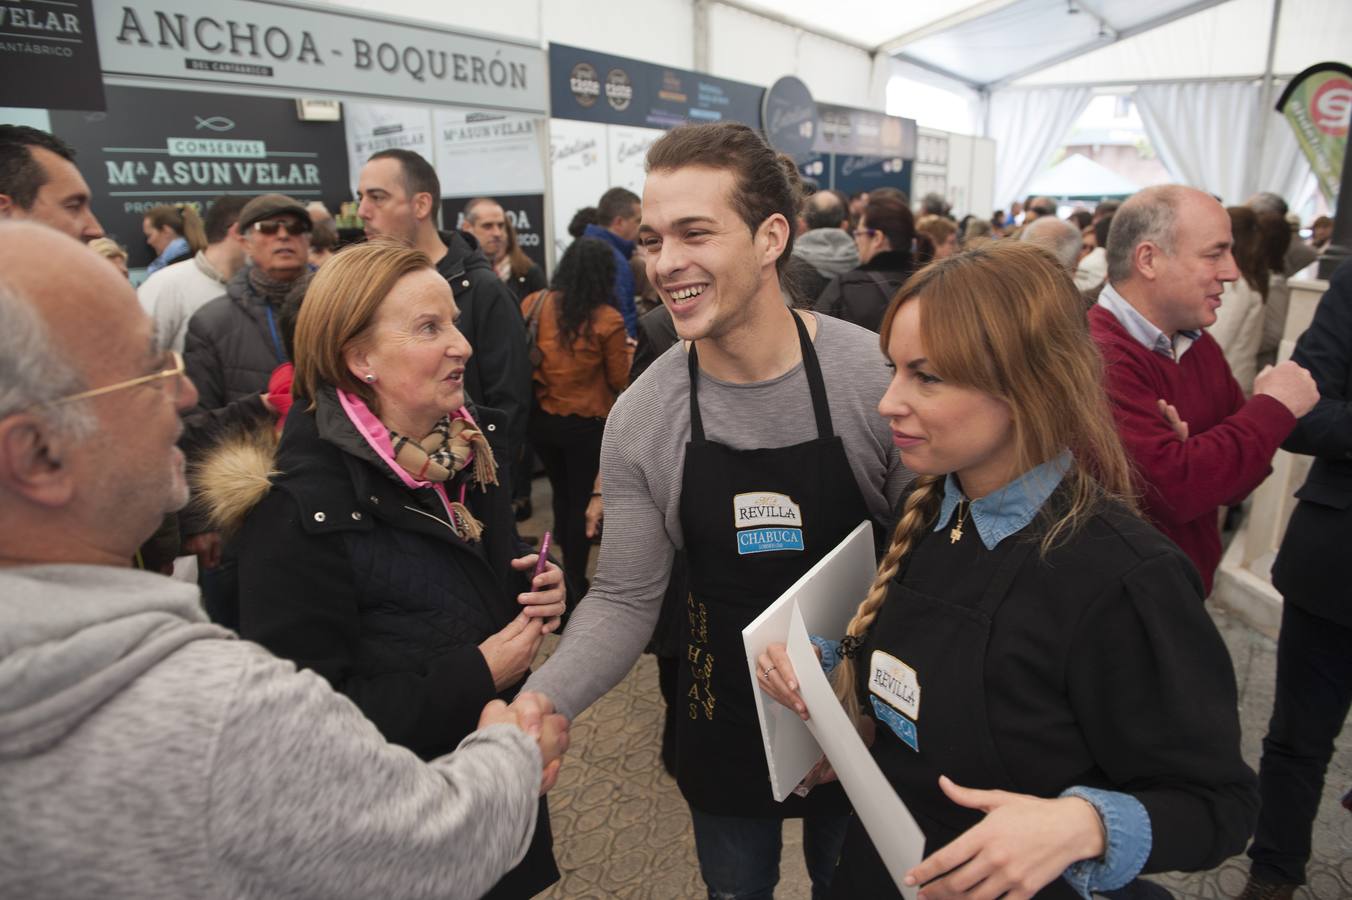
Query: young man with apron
[755, 446]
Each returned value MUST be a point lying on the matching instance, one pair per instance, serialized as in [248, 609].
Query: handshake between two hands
[534, 714]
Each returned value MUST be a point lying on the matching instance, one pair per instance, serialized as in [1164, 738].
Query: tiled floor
[622, 830]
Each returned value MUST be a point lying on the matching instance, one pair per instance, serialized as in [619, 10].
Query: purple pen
[544, 557]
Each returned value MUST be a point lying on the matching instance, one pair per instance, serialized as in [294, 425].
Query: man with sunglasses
[233, 344]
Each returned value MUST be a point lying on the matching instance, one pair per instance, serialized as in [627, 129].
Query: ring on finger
[765, 673]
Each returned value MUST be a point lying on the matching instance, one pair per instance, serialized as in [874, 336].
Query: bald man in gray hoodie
[145, 752]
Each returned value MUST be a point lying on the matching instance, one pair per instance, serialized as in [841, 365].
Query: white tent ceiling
[999, 43]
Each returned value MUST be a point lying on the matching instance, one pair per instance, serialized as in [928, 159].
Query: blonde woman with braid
[1034, 665]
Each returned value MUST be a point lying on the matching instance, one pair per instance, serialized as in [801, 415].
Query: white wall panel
[655, 31]
[747, 47]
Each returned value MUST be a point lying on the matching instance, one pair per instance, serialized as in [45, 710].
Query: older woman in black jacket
[381, 551]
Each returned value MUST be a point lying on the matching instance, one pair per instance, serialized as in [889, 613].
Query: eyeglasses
[865, 232]
[177, 371]
[273, 226]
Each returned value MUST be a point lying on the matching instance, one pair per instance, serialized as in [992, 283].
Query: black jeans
[1314, 689]
[570, 449]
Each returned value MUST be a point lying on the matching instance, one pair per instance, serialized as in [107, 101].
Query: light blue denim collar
[1008, 510]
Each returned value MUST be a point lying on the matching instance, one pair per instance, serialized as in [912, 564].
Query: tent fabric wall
[1028, 126]
[1226, 41]
[1215, 136]
[835, 72]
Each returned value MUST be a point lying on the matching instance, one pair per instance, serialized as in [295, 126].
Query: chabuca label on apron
[894, 693]
[767, 522]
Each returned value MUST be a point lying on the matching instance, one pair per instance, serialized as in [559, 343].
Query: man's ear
[7, 206]
[424, 206]
[773, 236]
[1145, 259]
[33, 461]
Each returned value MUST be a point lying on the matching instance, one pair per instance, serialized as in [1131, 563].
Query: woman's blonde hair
[1007, 320]
[339, 308]
[108, 248]
[185, 221]
[936, 228]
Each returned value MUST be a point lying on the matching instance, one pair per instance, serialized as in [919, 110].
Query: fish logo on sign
[214, 123]
[767, 522]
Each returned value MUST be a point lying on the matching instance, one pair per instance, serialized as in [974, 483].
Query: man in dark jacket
[1314, 667]
[232, 345]
[400, 193]
[618, 214]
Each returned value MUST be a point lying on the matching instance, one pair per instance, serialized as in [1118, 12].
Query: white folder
[890, 825]
[827, 596]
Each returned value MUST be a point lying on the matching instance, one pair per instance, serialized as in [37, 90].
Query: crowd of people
[1044, 419]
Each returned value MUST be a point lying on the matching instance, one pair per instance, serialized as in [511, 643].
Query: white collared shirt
[1142, 329]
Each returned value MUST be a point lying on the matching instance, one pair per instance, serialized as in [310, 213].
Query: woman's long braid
[919, 508]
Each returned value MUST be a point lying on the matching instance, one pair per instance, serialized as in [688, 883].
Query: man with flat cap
[232, 346]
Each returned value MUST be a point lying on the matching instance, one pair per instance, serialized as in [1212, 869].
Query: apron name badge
[767, 522]
[894, 681]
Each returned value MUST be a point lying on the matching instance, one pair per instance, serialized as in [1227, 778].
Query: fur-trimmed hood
[235, 476]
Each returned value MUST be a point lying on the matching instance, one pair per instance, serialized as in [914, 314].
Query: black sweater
[1104, 670]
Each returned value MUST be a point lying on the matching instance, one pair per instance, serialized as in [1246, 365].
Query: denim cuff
[830, 651]
[1127, 826]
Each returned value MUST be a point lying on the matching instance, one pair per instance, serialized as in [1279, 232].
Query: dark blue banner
[853, 174]
[616, 90]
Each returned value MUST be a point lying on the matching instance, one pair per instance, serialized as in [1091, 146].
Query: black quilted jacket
[346, 571]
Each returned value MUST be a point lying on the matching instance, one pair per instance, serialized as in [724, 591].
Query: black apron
[932, 654]
[754, 521]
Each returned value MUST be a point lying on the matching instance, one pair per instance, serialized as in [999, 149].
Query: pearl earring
[371, 379]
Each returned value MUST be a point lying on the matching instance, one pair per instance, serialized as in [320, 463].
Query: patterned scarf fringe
[450, 447]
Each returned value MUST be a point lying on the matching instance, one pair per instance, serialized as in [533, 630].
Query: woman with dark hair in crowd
[884, 236]
[174, 233]
[1024, 622]
[1239, 321]
[585, 216]
[522, 276]
[581, 366]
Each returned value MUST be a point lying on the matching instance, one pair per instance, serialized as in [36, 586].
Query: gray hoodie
[147, 753]
[831, 251]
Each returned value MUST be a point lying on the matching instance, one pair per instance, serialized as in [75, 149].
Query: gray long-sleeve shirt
[147, 754]
[642, 460]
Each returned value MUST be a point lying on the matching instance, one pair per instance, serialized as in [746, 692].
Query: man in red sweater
[1195, 440]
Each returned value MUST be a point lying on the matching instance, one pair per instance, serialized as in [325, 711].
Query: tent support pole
[1264, 117]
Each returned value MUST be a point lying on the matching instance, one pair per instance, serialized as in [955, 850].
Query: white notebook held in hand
[827, 596]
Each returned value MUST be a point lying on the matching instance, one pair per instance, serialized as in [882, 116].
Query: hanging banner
[526, 213]
[789, 117]
[853, 174]
[861, 132]
[597, 87]
[154, 147]
[372, 127]
[49, 55]
[1318, 105]
[311, 49]
[481, 154]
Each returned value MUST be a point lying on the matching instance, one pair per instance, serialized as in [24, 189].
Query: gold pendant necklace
[956, 534]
